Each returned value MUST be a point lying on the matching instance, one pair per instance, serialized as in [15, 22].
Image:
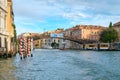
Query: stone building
[10, 26]
[3, 23]
[88, 32]
[49, 37]
[67, 43]
[37, 44]
[116, 26]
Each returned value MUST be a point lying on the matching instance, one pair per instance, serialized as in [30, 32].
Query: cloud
[42, 14]
[44, 8]
[75, 16]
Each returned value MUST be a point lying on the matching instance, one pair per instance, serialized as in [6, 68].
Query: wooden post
[98, 46]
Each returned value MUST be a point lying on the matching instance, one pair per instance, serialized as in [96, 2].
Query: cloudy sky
[44, 15]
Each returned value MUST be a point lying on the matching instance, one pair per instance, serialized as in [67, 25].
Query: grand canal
[63, 65]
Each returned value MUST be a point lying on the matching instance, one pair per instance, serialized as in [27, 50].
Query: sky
[38, 16]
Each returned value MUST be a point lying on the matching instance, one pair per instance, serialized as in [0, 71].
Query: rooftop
[116, 24]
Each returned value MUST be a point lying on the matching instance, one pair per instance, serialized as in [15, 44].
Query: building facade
[10, 26]
[66, 43]
[90, 32]
[49, 37]
[87, 32]
[37, 44]
[116, 26]
[3, 23]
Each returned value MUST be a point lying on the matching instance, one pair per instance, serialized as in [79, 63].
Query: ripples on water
[7, 69]
[62, 65]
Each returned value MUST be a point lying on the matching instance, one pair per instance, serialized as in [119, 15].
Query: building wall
[3, 23]
[77, 34]
[2, 40]
[90, 32]
[46, 42]
[116, 26]
[3, 4]
[68, 33]
[118, 30]
[10, 28]
[49, 37]
[37, 44]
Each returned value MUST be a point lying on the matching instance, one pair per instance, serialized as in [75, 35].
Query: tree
[15, 34]
[110, 25]
[15, 37]
[109, 35]
[54, 45]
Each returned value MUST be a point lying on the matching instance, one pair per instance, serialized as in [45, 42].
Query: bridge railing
[80, 40]
[71, 38]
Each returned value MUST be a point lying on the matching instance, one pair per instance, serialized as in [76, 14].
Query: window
[5, 41]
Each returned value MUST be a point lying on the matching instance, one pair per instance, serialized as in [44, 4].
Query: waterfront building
[37, 44]
[90, 32]
[10, 27]
[68, 33]
[87, 32]
[50, 37]
[116, 26]
[3, 23]
[45, 42]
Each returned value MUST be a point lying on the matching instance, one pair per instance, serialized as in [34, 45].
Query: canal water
[56, 64]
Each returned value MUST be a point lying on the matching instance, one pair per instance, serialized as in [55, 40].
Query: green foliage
[16, 41]
[110, 25]
[109, 34]
[15, 33]
[54, 44]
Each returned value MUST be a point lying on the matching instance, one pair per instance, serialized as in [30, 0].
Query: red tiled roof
[116, 24]
[9, 0]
